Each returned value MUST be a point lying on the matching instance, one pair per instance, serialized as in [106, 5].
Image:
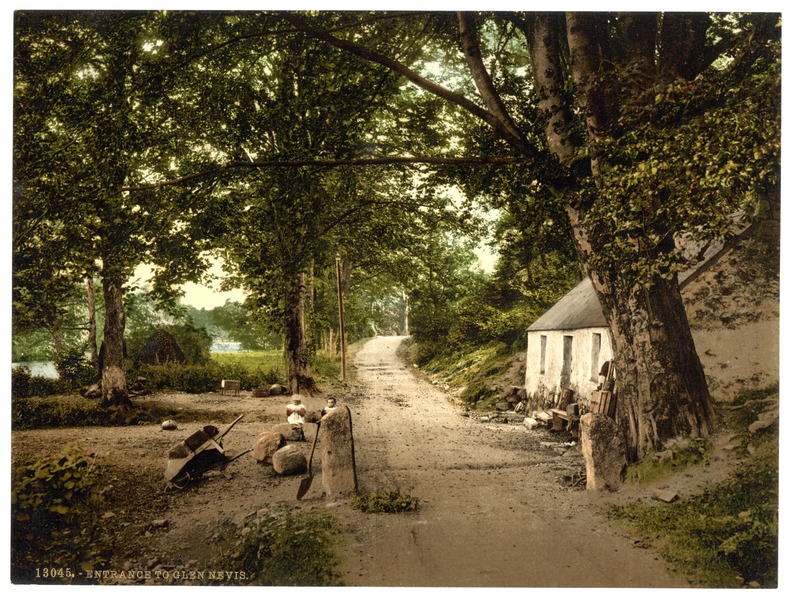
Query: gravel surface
[494, 506]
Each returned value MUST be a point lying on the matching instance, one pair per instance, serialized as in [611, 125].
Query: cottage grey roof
[578, 309]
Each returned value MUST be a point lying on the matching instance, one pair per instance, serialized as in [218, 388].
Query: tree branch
[458, 99]
[471, 50]
[582, 31]
[543, 42]
[340, 162]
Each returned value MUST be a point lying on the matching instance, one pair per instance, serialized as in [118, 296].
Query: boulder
[92, 391]
[289, 460]
[337, 453]
[667, 496]
[169, 425]
[544, 417]
[266, 444]
[764, 420]
[292, 432]
[603, 447]
[277, 390]
[530, 423]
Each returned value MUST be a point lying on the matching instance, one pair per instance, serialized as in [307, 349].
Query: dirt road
[493, 508]
[492, 512]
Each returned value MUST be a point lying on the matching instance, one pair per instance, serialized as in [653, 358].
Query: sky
[208, 297]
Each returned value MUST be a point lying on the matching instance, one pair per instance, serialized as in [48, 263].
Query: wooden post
[342, 318]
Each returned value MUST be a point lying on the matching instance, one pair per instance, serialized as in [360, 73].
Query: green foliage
[726, 536]
[265, 360]
[76, 411]
[385, 502]
[75, 369]
[199, 379]
[288, 550]
[33, 345]
[53, 508]
[239, 322]
[25, 385]
[703, 150]
[475, 369]
[20, 382]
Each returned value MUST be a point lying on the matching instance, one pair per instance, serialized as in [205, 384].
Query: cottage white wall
[545, 387]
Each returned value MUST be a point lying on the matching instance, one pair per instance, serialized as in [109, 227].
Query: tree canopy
[604, 138]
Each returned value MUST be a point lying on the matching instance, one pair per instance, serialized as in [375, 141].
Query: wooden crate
[603, 402]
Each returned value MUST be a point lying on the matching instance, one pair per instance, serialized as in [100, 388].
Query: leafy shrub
[289, 549]
[53, 510]
[74, 368]
[26, 385]
[386, 502]
[64, 411]
[75, 411]
[20, 382]
[204, 378]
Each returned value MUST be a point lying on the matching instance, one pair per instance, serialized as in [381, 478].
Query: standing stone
[266, 444]
[338, 462]
[603, 447]
[289, 460]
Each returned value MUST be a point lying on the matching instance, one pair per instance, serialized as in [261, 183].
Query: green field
[265, 360]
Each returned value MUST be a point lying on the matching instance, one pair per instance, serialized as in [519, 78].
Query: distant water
[226, 347]
[41, 368]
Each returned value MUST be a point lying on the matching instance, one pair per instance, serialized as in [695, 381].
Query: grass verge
[76, 411]
[726, 537]
[476, 370]
[288, 549]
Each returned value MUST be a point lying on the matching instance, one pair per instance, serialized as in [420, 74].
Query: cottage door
[567, 361]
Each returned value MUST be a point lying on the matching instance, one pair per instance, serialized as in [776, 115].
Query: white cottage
[567, 346]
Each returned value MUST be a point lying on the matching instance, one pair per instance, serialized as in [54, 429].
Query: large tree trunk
[661, 388]
[662, 391]
[300, 378]
[57, 337]
[113, 373]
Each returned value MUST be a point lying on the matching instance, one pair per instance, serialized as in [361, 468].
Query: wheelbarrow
[200, 452]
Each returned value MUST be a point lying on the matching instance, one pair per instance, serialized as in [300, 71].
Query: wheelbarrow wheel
[181, 480]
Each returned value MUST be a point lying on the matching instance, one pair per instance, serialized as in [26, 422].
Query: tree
[653, 127]
[280, 226]
[93, 111]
